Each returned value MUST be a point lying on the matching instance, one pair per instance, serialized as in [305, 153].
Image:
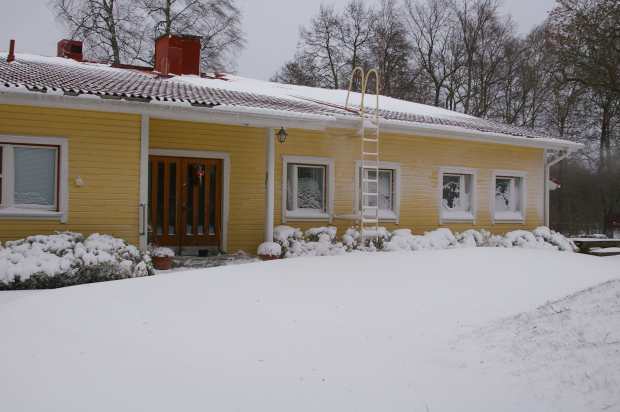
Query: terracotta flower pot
[162, 262]
[268, 257]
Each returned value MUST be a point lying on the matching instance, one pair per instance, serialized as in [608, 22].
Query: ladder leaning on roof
[369, 174]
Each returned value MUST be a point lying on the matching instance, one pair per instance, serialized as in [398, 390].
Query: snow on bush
[67, 258]
[323, 240]
[162, 252]
[269, 249]
[320, 241]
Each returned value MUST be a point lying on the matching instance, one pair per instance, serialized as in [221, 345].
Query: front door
[185, 201]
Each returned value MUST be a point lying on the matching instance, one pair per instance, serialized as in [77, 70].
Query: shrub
[66, 258]
[323, 240]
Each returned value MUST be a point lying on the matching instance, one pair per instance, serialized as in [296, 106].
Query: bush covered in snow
[324, 241]
[65, 259]
[320, 241]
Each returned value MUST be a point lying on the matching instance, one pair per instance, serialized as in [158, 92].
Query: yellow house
[198, 162]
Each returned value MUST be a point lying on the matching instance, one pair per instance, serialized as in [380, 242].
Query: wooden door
[185, 197]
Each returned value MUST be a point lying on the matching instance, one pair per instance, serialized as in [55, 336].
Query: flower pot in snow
[269, 251]
[162, 262]
[162, 258]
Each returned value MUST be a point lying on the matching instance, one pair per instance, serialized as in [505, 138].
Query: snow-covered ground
[449, 330]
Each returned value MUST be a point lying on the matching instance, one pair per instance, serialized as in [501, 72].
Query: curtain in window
[310, 187]
[503, 195]
[507, 198]
[385, 190]
[457, 192]
[35, 176]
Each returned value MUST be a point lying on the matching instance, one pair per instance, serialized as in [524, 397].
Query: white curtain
[35, 176]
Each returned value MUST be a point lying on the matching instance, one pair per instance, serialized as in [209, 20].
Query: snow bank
[323, 241]
[360, 332]
[67, 258]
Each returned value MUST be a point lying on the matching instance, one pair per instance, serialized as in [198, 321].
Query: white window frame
[309, 214]
[9, 210]
[390, 216]
[522, 194]
[444, 216]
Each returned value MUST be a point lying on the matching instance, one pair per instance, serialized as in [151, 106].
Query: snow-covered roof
[54, 75]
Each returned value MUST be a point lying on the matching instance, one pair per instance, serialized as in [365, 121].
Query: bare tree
[122, 31]
[110, 28]
[390, 51]
[320, 45]
[355, 26]
[432, 33]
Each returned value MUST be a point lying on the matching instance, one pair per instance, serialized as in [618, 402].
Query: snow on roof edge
[312, 94]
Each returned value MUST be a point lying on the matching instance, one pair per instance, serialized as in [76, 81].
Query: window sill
[457, 217]
[305, 215]
[508, 217]
[383, 217]
[18, 213]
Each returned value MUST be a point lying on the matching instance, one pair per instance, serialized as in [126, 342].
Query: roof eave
[460, 133]
[230, 115]
[253, 117]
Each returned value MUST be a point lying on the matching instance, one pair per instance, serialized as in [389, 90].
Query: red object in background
[70, 49]
[179, 54]
[614, 221]
[11, 56]
[162, 262]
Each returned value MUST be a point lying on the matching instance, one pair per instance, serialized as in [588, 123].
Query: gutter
[461, 133]
[228, 115]
[548, 163]
[269, 118]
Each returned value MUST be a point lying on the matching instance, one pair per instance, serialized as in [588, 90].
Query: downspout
[548, 163]
[144, 181]
[270, 182]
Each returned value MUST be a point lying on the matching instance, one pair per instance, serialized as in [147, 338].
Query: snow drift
[358, 332]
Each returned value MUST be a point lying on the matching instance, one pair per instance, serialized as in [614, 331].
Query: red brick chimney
[70, 49]
[177, 54]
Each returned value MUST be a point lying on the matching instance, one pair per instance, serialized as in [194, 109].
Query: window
[457, 201]
[388, 188]
[508, 197]
[30, 177]
[35, 175]
[307, 187]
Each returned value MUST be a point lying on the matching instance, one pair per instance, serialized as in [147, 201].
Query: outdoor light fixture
[282, 135]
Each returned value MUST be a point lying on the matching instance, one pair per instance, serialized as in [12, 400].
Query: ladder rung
[370, 153]
[370, 194]
[370, 180]
[365, 220]
[370, 207]
[371, 140]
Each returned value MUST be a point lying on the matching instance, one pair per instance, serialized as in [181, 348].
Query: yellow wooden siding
[246, 148]
[104, 150]
[420, 159]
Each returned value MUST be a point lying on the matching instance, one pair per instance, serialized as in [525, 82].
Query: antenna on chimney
[11, 56]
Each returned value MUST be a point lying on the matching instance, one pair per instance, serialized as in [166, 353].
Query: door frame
[204, 154]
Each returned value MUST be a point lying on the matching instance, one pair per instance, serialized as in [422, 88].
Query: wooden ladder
[368, 210]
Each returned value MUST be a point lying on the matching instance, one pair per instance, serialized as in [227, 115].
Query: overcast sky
[271, 28]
